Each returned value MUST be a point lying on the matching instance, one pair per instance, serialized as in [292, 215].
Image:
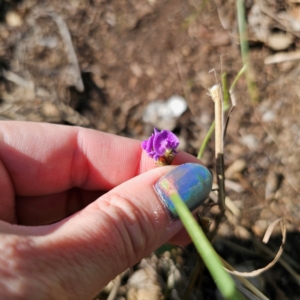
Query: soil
[129, 53]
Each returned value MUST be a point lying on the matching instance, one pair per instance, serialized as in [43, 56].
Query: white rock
[177, 105]
[268, 116]
[250, 141]
[164, 114]
[13, 19]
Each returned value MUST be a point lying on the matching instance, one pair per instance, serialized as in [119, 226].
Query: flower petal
[173, 141]
[159, 143]
[148, 144]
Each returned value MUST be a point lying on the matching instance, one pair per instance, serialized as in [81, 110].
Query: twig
[282, 57]
[66, 37]
[197, 271]
[246, 283]
[216, 95]
[232, 97]
[281, 260]
[269, 252]
[265, 240]
[225, 107]
[10, 76]
[114, 291]
[232, 207]
[237, 248]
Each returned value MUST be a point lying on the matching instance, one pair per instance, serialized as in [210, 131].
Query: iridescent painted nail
[192, 181]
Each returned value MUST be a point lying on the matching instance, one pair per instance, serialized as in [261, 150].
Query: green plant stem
[237, 77]
[241, 16]
[206, 140]
[211, 259]
[225, 91]
[242, 30]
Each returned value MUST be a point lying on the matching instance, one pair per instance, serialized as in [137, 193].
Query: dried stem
[66, 37]
[216, 95]
[112, 295]
[245, 282]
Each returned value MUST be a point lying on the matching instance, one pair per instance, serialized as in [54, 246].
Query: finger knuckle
[130, 221]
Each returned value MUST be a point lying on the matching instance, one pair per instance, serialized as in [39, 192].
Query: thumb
[120, 228]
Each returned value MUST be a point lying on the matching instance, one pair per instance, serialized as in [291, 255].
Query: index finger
[42, 159]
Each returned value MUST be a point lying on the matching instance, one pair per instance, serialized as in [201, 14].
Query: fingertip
[146, 163]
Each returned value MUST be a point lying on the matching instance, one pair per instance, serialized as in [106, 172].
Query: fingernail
[192, 181]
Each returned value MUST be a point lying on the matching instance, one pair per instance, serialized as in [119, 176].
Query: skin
[77, 208]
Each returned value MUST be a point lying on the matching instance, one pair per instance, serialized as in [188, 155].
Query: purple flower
[161, 146]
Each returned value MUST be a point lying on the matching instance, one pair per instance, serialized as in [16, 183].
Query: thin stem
[238, 76]
[206, 140]
[225, 91]
[216, 95]
[211, 259]
[241, 15]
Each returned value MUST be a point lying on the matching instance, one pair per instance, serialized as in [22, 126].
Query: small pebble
[238, 166]
[13, 19]
[268, 116]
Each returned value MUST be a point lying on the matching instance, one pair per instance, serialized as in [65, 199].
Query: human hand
[94, 194]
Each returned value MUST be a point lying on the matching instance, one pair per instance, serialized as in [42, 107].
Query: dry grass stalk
[245, 282]
[113, 293]
[282, 57]
[265, 240]
[66, 37]
[216, 94]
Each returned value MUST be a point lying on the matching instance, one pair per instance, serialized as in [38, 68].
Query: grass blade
[211, 259]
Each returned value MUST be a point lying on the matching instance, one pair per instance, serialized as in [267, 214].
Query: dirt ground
[100, 63]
